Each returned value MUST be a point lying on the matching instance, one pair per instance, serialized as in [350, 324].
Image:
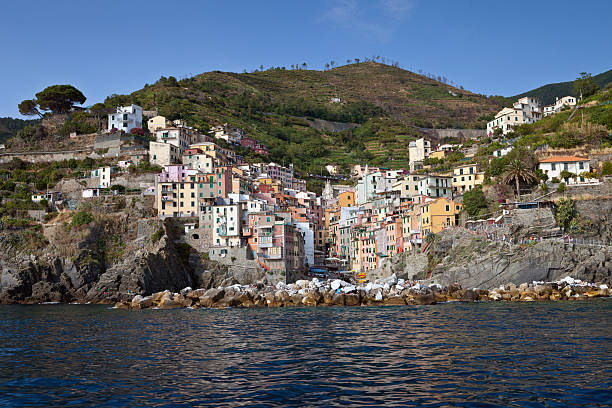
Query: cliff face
[65, 280]
[476, 263]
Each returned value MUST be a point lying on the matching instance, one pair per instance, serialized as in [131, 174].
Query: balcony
[264, 242]
[166, 198]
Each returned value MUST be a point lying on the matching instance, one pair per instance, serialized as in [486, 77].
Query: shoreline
[391, 292]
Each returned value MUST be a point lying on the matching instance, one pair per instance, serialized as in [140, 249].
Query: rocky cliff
[57, 279]
[477, 263]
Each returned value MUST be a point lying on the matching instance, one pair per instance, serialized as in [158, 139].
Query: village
[262, 213]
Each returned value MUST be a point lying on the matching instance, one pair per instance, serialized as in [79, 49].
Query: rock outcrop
[58, 279]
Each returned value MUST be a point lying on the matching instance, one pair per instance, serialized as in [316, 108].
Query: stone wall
[42, 157]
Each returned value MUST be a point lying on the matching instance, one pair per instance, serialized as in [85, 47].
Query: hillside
[10, 126]
[547, 93]
[270, 105]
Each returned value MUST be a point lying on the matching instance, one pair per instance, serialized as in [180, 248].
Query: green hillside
[10, 126]
[547, 93]
[388, 102]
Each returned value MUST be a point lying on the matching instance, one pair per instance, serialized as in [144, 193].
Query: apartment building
[553, 167]
[418, 151]
[466, 177]
[436, 186]
[525, 110]
[164, 154]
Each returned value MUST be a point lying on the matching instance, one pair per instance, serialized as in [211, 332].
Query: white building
[418, 150]
[307, 230]
[104, 175]
[125, 118]
[226, 225]
[559, 104]
[178, 137]
[228, 133]
[503, 151]
[525, 110]
[554, 166]
[199, 161]
[436, 186]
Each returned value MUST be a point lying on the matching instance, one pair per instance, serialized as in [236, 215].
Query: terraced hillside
[387, 102]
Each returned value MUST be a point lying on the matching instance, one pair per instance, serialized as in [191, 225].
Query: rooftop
[563, 159]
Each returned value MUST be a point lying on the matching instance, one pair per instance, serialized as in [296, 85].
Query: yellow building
[438, 214]
[158, 122]
[466, 177]
[178, 199]
[346, 199]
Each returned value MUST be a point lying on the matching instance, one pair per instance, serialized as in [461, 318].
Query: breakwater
[389, 292]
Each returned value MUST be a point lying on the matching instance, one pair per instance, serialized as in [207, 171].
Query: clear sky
[106, 47]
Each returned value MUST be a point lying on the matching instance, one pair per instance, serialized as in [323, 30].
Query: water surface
[482, 354]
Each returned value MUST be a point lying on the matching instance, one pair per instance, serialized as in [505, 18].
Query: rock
[186, 290]
[339, 299]
[349, 288]
[309, 300]
[169, 303]
[470, 295]
[122, 305]
[335, 285]
[395, 301]
[523, 287]
[211, 297]
[423, 299]
[140, 302]
[352, 299]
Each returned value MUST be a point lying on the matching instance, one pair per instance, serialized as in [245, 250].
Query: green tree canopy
[59, 98]
[517, 170]
[28, 108]
[585, 86]
[475, 202]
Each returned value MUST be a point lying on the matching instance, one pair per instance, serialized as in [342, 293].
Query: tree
[332, 63]
[584, 86]
[327, 66]
[28, 108]
[59, 98]
[517, 170]
[565, 212]
[474, 201]
[98, 110]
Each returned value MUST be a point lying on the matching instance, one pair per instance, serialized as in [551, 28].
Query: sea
[537, 354]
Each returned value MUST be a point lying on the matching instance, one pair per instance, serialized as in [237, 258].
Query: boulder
[122, 305]
[140, 302]
[352, 299]
[211, 296]
[394, 301]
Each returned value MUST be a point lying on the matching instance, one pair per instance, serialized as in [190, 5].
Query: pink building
[175, 173]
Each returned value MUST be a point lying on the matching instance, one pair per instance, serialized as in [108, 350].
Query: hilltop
[547, 93]
[388, 102]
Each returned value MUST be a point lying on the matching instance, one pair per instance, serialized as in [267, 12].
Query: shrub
[606, 168]
[561, 188]
[81, 218]
[156, 236]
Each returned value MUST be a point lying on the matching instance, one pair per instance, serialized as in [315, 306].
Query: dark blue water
[482, 354]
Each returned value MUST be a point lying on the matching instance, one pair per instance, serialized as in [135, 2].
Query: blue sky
[108, 47]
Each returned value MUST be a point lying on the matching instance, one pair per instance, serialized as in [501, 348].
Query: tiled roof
[563, 159]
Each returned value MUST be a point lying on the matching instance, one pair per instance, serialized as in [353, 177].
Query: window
[447, 208]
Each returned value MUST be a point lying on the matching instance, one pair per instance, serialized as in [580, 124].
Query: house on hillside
[418, 151]
[466, 177]
[104, 176]
[525, 110]
[125, 118]
[553, 167]
[559, 104]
